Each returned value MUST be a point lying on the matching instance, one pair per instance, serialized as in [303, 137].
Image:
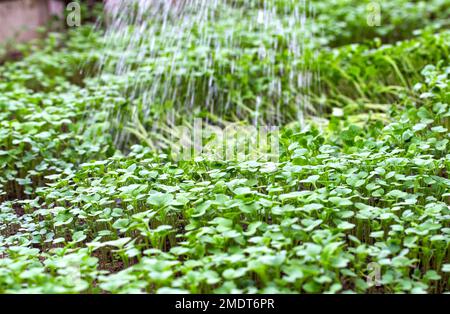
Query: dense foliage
[361, 188]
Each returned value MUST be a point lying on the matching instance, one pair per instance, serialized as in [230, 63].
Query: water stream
[223, 60]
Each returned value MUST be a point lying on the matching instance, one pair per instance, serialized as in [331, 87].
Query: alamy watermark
[73, 14]
[373, 10]
[374, 14]
[374, 277]
[234, 142]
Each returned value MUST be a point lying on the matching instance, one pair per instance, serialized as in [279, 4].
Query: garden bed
[357, 202]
